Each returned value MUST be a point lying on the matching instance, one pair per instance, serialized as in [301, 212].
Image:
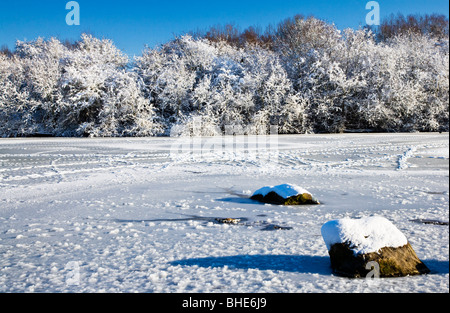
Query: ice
[130, 215]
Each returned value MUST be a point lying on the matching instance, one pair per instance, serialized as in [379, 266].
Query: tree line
[303, 75]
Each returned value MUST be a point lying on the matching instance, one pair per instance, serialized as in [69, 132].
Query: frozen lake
[139, 214]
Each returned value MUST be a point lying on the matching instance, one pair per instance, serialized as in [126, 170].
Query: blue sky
[132, 24]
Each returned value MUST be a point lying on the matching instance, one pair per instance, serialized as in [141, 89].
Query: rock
[430, 222]
[354, 243]
[391, 262]
[284, 195]
[275, 227]
[233, 221]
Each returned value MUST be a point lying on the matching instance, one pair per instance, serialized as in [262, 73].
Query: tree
[435, 25]
[303, 76]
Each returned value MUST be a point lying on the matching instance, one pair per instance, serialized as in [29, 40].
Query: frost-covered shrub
[29, 87]
[14, 100]
[100, 97]
[356, 83]
[87, 90]
[419, 83]
[406, 85]
[223, 85]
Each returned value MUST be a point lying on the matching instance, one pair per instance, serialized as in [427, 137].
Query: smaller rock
[285, 194]
[430, 222]
[233, 221]
[275, 227]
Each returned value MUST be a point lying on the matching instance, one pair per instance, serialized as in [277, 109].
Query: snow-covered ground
[139, 215]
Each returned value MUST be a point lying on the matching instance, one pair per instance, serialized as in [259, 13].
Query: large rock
[372, 245]
[284, 195]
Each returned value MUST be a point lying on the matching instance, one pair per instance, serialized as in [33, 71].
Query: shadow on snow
[288, 263]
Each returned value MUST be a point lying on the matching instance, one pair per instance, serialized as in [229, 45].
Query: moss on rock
[393, 262]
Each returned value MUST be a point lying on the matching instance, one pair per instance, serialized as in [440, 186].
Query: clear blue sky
[132, 24]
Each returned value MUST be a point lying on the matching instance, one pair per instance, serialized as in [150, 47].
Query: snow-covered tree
[312, 77]
[87, 90]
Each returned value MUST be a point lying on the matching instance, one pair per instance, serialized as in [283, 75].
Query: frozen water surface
[139, 215]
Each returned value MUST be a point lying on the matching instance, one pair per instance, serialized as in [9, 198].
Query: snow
[403, 159]
[127, 215]
[365, 235]
[284, 190]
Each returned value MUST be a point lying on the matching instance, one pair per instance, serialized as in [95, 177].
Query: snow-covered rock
[285, 194]
[354, 243]
[367, 235]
